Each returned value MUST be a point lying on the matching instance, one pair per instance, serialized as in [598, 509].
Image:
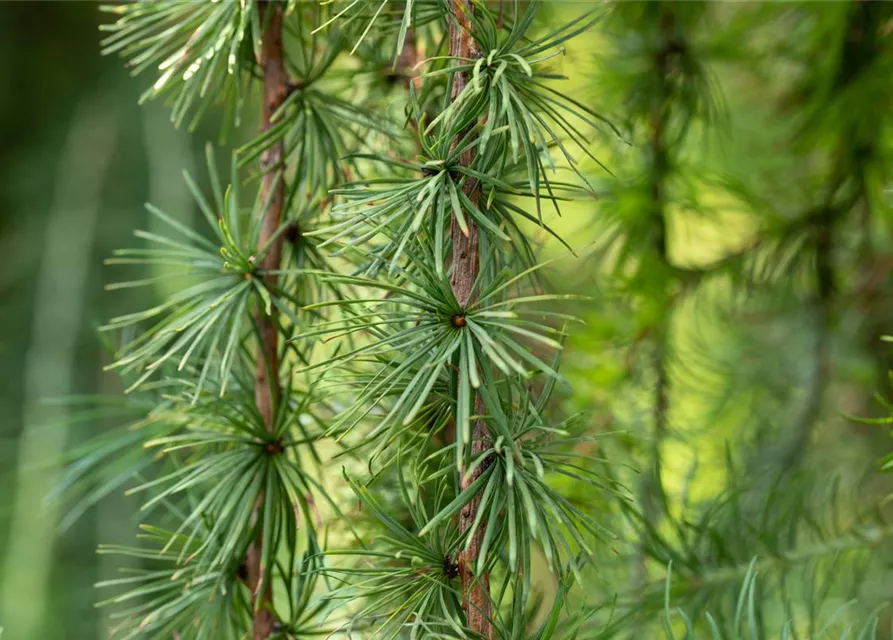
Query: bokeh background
[763, 377]
[79, 158]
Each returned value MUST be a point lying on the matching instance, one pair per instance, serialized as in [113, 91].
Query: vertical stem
[658, 195]
[266, 386]
[654, 498]
[793, 450]
[857, 53]
[466, 266]
[660, 157]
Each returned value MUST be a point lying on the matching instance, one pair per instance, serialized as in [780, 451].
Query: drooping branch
[466, 267]
[267, 387]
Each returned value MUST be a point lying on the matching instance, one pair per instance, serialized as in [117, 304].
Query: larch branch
[267, 387]
[466, 267]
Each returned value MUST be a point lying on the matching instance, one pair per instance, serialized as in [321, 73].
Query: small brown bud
[273, 448]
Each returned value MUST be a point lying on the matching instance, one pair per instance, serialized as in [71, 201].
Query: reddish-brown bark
[466, 266]
[266, 386]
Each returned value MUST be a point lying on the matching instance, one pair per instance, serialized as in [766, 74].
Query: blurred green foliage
[79, 157]
[740, 259]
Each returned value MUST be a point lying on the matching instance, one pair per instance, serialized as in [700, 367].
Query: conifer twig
[657, 124]
[466, 267]
[266, 388]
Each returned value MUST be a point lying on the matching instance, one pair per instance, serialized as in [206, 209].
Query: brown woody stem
[466, 266]
[658, 116]
[266, 383]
